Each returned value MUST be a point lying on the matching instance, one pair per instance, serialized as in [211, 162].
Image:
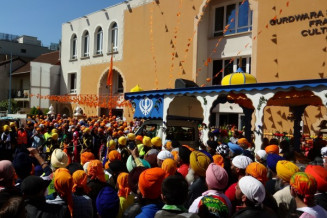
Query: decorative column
[297, 113]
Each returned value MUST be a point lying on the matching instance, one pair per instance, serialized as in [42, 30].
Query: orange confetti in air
[287, 4]
[203, 85]
[246, 45]
[267, 26]
[208, 79]
[206, 63]
[280, 11]
[254, 38]
[275, 18]
[259, 32]
[232, 20]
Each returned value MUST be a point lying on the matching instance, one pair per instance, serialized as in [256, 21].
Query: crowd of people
[97, 167]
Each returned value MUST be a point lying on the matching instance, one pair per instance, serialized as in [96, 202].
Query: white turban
[241, 161]
[324, 151]
[163, 155]
[262, 154]
[253, 189]
[59, 158]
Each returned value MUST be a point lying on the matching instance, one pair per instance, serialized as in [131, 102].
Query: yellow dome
[238, 78]
[137, 88]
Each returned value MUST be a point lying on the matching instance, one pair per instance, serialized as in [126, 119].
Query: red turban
[320, 174]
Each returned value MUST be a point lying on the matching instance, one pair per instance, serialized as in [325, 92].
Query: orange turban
[123, 186]
[320, 174]
[63, 184]
[95, 170]
[272, 149]
[218, 159]
[80, 181]
[258, 171]
[244, 141]
[112, 156]
[286, 169]
[175, 154]
[150, 181]
[86, 157]
[139, 138]
[169, 166]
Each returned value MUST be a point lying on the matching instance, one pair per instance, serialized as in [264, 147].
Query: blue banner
[148, 108]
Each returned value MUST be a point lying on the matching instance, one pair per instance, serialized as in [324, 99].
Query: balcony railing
[16, 93]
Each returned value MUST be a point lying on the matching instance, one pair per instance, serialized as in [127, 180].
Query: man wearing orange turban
[150, 182]
[124, 193]
[86, 157]
[258, 171]
[272, 149]
[112, 156]
[82, 203]
[218, 159]
[169, 166]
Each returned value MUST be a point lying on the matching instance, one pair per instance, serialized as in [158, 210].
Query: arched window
[99, 40]
[73, 47]
[113, 45]
[85, 44]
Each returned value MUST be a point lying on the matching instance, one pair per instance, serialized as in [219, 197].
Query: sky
[43, 18]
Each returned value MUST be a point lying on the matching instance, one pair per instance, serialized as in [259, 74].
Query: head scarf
[107, 202]
[223, 150]
[253, 189]
[7, 173]
[241, 161]
[150, 182]
[258, 171]
[272, 149]
[23, 165]
[86, 157]
[262, 154]
[63, 184]
[169, 166]
[218, 159]
[80, 181]
[122, 140]
[235, 148]
[133, 177]
[33, 185]
[215, 205]
[304, 184]
[320, 175]
[272, 160]
[216, 177]
[112, 156]
[199, 162]
[156, 141]
[95, 170]
[168, 145]
[324, 152]
[286, 169]
[163, 155]
[147, 141]
[123, 186]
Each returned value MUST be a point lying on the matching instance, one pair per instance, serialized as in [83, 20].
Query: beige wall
[298, 57]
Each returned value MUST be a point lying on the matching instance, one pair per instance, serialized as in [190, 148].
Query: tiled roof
[50, 58]
[24, 69]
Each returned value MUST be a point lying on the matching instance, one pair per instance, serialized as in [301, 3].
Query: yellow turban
[122, 140]
[131, 136]
[286, 169]
[169, 166]
[111, 144]
[147, 141]
[156, 141]
[199, 162]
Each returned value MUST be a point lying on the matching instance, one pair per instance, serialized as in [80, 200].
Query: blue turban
[209, 155]
[22, 164]
[235, 148]
[272, 160]
[107, 203]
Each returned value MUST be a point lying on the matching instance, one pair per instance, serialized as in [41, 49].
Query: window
[237, 15]
[85, 45]
[113, 45]
[74, 48]
[120, 87]
[72, 83]
[228, 66]
[99, 38]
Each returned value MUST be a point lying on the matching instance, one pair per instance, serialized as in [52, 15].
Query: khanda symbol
[146, 106]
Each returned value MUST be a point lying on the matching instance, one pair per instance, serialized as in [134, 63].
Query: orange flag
[109, 79]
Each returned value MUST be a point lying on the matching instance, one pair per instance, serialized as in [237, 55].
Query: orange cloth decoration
[169, 166]
[86, 157]
[80, 181]
[123, 186]
[218, 159]
[272, 149]
[258, 171]
[63, 184]
[95, 170]
[150, 182]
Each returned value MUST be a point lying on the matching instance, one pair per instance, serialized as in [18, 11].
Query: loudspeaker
[183, 83]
